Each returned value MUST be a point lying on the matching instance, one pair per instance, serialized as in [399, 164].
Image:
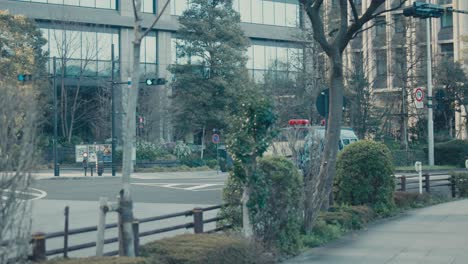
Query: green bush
[461, 183]
[451, 152]
[149, 151]
[364, 176]
[204, 249]
[322, 233]
[275, 204]
[212, 163]
[182, 150]
[349, 217]
[99, 260]
[407, 200]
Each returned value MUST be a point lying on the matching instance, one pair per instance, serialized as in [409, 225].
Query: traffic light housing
[24, 77]
[158, 81]
[423, 10]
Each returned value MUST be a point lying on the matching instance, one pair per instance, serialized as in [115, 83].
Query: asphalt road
[205, 190]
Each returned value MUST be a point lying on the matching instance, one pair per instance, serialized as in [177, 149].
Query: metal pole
[430, 122]
[54, 68]
[113, 110]
[65, 235]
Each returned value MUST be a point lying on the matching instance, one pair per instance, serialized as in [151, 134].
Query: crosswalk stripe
[200, 187]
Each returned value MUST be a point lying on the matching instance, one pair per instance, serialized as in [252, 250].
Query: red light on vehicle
[294, 122]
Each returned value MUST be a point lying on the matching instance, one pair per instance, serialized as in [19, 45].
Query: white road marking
[200, 186]
[195, 187]
[39, 195]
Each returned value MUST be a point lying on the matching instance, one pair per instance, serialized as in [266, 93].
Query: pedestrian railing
[429, 180]
[41, 252]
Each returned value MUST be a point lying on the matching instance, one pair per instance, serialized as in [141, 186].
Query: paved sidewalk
[49, 174]
[437, 234]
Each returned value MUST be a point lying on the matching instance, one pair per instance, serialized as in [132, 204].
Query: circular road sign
[215, 138]
[419, 94]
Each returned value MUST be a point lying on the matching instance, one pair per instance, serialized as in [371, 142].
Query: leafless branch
[155, 20]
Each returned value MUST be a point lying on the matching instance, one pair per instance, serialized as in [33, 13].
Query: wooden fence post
[136, 236]
[452, 184]
[65, 235]
[428, 182]
[198, 220]
[403, 183]
[39, 246]
[101, 228]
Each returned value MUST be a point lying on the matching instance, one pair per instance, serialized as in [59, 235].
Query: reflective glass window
[280, 13]
[269, 11]
[88, 3]
[147, 6]
[71, 2]
[245, 10]
[259, 57]
[292, 14]
[257, 11]
[103, 3]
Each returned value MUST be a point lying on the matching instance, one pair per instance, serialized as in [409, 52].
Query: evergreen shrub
[461, 183]
[204, 249]
[275, 204]
[452, 152]
[364, 176]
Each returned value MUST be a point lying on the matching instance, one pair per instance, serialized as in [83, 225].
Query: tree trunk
[318, 188]
[247, 228]
[202, 142]
[129, 140]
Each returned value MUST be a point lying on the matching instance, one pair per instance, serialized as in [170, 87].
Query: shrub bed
[460, 180]
[98, 260]
[204, 249]
[451, 152]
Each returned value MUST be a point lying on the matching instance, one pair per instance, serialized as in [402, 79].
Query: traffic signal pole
[427, 11]
[430, 119]
[54, 68]
[113, 111]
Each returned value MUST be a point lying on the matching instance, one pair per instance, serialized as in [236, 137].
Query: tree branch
[312, 8]
[155, 20]
[354, 10]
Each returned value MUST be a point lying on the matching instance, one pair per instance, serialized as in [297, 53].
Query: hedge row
[189, 249]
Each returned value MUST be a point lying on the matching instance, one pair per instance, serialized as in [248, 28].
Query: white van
[297, 136]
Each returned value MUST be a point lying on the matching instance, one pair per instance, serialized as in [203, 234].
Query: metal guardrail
[38, 240]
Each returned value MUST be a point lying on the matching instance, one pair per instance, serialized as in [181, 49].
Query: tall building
[80, 35]
[392, 55]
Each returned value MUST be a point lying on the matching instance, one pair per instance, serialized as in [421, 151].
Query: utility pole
[430, 118]
[113, 110]
[54, 68]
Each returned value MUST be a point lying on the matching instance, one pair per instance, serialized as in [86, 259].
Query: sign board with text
[92, 152]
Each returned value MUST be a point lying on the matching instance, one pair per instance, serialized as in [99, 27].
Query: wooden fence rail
[410, 182]
[40, 251]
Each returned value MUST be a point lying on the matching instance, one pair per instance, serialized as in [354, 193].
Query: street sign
[322, 103]
[215, 138]
[419, 96]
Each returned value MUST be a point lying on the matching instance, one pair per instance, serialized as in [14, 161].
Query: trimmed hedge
[349, 217]
[204, 249]
[364, 176]
[98, 260]
[451, 152]
[461, 183]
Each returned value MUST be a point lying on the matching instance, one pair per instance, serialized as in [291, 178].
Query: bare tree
[77, 53]
[130, 98]
[334, 44]
[18, 116]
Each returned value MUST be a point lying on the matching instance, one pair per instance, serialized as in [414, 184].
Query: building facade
[81, 34]
[392, 55]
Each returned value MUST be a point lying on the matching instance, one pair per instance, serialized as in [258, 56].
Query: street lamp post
[54, 76]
